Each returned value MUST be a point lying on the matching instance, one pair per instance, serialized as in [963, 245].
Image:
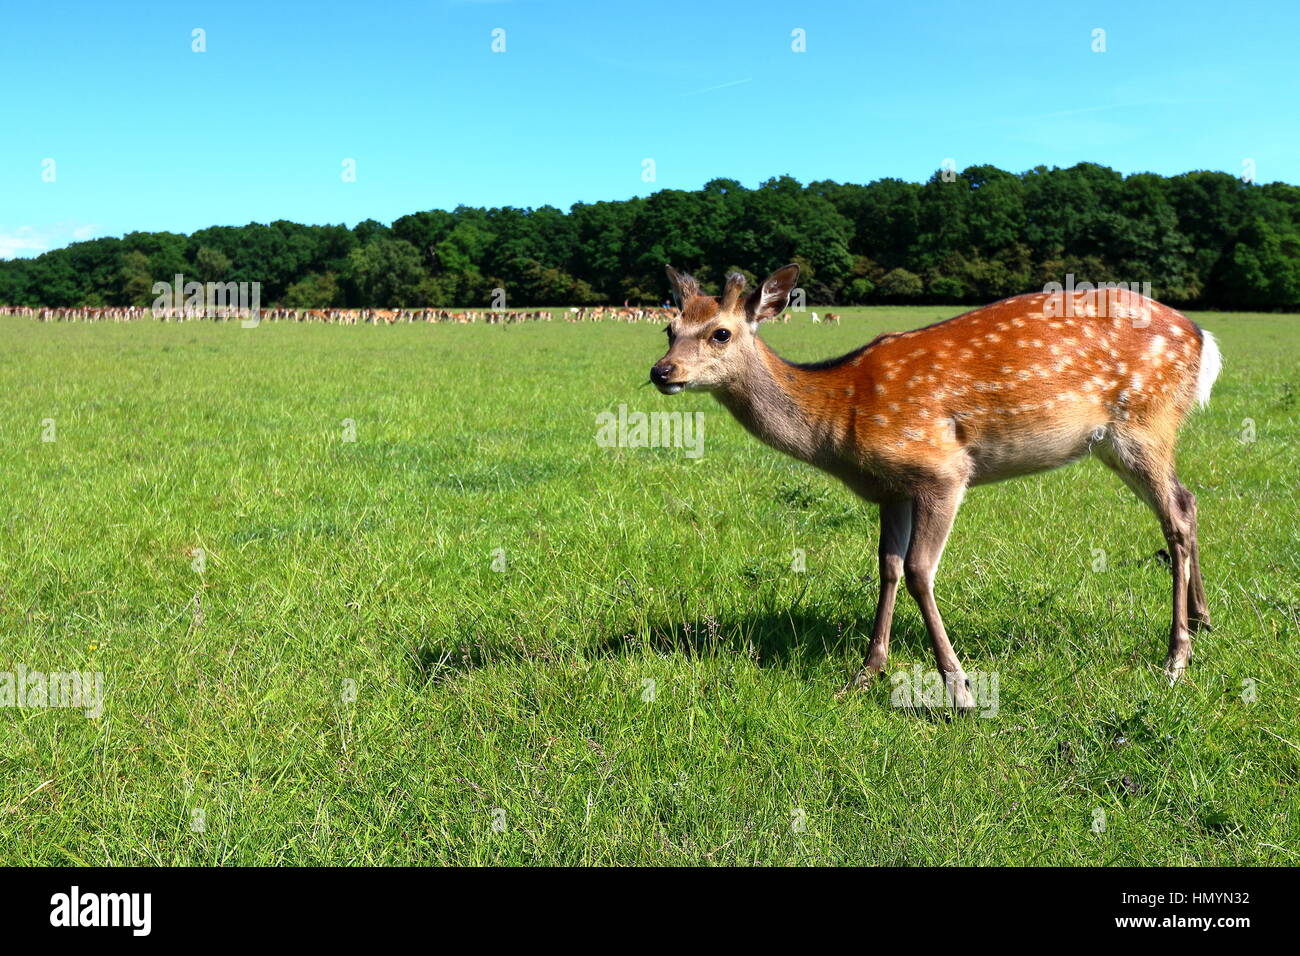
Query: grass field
[344, 674]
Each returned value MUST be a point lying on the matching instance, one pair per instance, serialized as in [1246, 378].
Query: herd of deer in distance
[600, 313]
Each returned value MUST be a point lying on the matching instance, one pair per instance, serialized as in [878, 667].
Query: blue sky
[147, 135]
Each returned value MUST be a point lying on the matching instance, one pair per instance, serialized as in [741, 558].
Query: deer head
[712, 342]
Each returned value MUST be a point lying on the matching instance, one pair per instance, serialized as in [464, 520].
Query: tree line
[1202, 239]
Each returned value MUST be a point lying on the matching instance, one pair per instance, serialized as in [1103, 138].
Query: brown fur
[699, 309]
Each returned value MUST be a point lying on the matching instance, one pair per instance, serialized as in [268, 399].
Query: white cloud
[30, 241]
[22, 240]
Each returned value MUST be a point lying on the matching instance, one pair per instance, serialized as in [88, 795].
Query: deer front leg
[933, 513]
[895, 532]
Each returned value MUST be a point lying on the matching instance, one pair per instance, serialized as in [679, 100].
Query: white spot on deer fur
[1157, 346]
[849, 391]
[880, 419]
[880, 389]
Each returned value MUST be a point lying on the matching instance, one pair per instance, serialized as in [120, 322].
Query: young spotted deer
[912, 419]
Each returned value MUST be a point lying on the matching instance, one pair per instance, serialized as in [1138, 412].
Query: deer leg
[1180, 640]
[895, 532]
[1198, 612]
[933, 513]
[1149, 472]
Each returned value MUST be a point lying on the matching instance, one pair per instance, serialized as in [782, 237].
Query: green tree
[899, 285]
[313, 292]
[386, 272]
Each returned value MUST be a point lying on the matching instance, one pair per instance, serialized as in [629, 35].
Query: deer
[911, 420]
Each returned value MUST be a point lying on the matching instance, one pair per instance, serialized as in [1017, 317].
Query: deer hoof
[864, 678]
[959, 691]
[1175, 667]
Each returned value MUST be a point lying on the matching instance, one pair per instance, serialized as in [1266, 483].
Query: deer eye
[721, 335]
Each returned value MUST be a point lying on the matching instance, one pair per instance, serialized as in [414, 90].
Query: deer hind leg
[1198, 612]
[933, 513]
[1148, 470]
[895, 533]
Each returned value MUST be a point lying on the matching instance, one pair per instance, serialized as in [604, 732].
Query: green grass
[333, 565]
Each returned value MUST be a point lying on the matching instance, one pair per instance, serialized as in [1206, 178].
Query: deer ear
[684, 286]
[770, 298]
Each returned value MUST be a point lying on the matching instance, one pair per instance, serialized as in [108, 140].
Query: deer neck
[770, 399]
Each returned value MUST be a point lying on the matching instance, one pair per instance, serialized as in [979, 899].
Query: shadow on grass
[802, 642]
[806, 641]
[439, 663]
[796, 639]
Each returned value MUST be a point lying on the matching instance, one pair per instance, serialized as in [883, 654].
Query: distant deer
[912, 419]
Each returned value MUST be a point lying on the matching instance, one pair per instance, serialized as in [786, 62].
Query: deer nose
[659, 373]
